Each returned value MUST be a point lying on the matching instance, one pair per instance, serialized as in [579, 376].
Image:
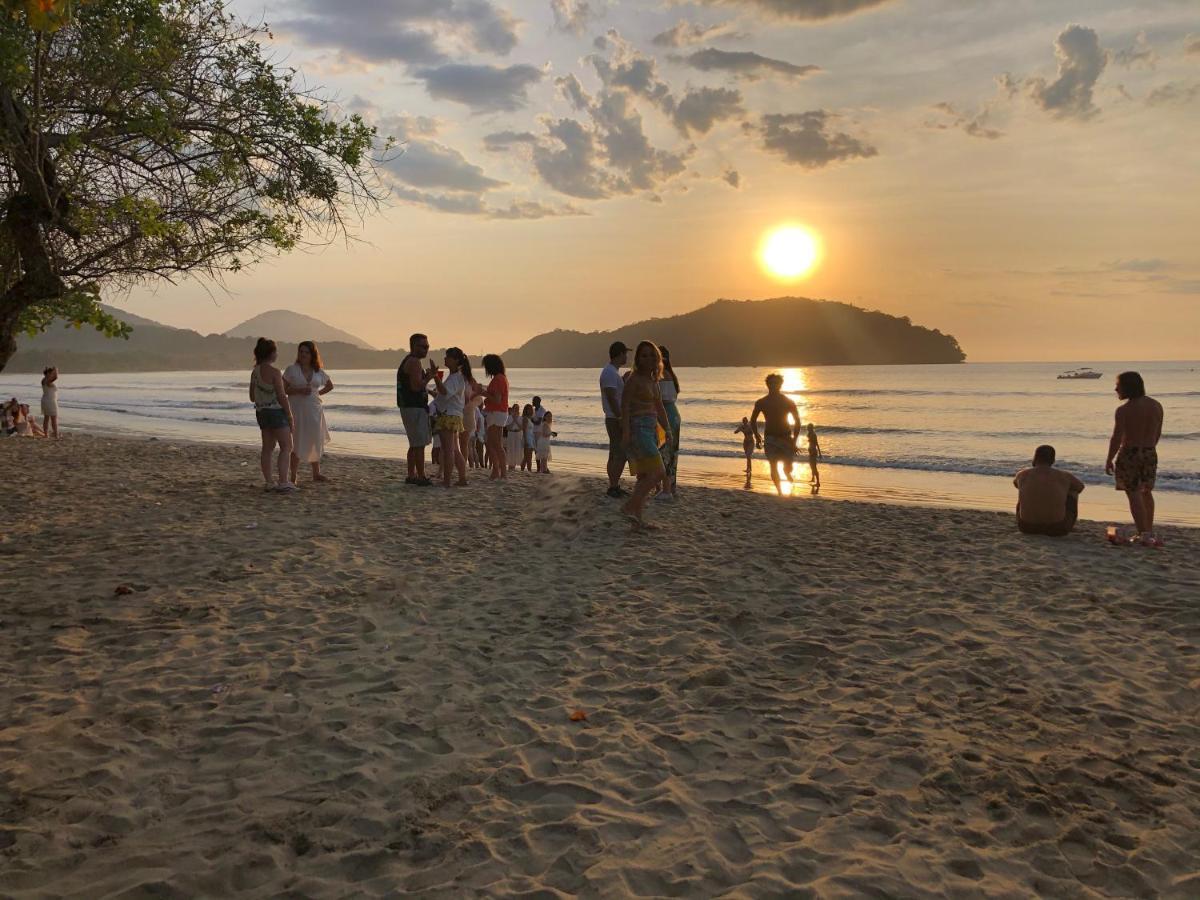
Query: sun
[790, 251]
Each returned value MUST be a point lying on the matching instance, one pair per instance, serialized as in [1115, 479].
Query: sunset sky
[1023, 175]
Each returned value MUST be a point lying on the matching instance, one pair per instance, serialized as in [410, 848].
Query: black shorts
[271, 419]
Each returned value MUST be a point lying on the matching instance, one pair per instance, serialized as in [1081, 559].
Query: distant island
[286, 326]
[785, 331]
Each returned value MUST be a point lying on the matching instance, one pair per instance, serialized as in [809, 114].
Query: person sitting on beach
[412, 379]
[273, 413]
[814, 454]
[10, 410]
[50, 401]
[644, 427]
[1047, 498]
[26, 425]
[612, 386]
[781, 428]
[1133, 451]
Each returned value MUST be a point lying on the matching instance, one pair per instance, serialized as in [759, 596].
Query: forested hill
[159, 348]
[785, 331]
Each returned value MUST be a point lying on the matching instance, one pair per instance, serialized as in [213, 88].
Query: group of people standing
[448, 415]
[290, 413]
[642, 421]
[16, 418]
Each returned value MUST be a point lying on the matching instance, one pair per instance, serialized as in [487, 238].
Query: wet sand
[367, 689]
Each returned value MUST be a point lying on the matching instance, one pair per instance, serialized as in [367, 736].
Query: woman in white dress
[514, 436]
[50, 401]
[307, 382]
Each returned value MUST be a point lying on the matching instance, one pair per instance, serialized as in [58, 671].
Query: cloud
[626, 146]
[1191, 45]
[573, 16]
[481, 87]
[806, 139]
[701, 109]
[1174, 93]
[405, 32]
[474, 205]
[731, 178]
[745, 64]
[1140, 265]
[974, 124]
[1081, 61]
[1140, 54]
[684, 34]
[807, 10]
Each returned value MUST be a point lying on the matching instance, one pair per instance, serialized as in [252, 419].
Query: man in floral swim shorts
[1133, 450]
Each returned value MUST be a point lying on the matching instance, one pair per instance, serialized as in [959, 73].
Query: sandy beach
[367, 689]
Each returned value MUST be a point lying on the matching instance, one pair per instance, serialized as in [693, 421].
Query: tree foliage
[152, 139]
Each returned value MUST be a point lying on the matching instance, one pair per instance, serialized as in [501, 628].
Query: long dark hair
[313, 352]
[493, 365]
[263, 350]
[1132, 385]
[667, 370]
[464, 364]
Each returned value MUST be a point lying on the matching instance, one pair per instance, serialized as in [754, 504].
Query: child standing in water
[747, 441]
[814, 454]
[545, 432]
[50, 401]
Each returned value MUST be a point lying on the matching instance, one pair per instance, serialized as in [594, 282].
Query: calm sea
[949, 435]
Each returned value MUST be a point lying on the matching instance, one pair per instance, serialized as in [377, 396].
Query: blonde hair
[657, 373]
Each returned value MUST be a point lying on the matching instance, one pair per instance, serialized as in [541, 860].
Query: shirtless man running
[1132, 453]
[780, 434]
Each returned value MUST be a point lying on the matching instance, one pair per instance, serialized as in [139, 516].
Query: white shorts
[496, 419]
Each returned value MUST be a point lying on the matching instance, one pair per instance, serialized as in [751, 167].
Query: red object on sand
[578, 716]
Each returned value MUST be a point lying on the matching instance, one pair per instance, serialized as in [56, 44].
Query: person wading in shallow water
[1133, 451]
[781, 428]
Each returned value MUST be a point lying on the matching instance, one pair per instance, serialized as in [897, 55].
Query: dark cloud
[1081, 61]
[569, 161]
[482, 88]
[685, 34]
[974, 124]
[626, 146]
[429, 164]
[731, 178]
[701, 109]
[807, 10]
[745, 64]
[400, 32]
[499, 141]
[1174, 93]
[806, 139]
[474, 205]
[1139, 55]
[574, 16]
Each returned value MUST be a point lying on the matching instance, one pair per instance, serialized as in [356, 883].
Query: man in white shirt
[612, 387]
[539, 412]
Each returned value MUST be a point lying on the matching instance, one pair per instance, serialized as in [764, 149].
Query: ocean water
[929, 432]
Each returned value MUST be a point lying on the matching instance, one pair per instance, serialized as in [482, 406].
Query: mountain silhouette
[283, 325]
[784, 331]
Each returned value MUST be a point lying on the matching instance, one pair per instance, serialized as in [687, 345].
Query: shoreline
[882, 485]
[368, 688]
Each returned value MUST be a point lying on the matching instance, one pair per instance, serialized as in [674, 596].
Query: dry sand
[365, 690]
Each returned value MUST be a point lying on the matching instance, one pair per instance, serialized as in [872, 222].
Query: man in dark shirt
[413, 399]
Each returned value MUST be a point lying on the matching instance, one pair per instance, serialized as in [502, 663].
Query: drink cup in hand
[437, 375]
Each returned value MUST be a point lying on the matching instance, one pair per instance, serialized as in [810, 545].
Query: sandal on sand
[287, 488]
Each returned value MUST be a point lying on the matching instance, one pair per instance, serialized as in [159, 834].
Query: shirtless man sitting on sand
[779, 443]
[1132, 451]
[1048, 498]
